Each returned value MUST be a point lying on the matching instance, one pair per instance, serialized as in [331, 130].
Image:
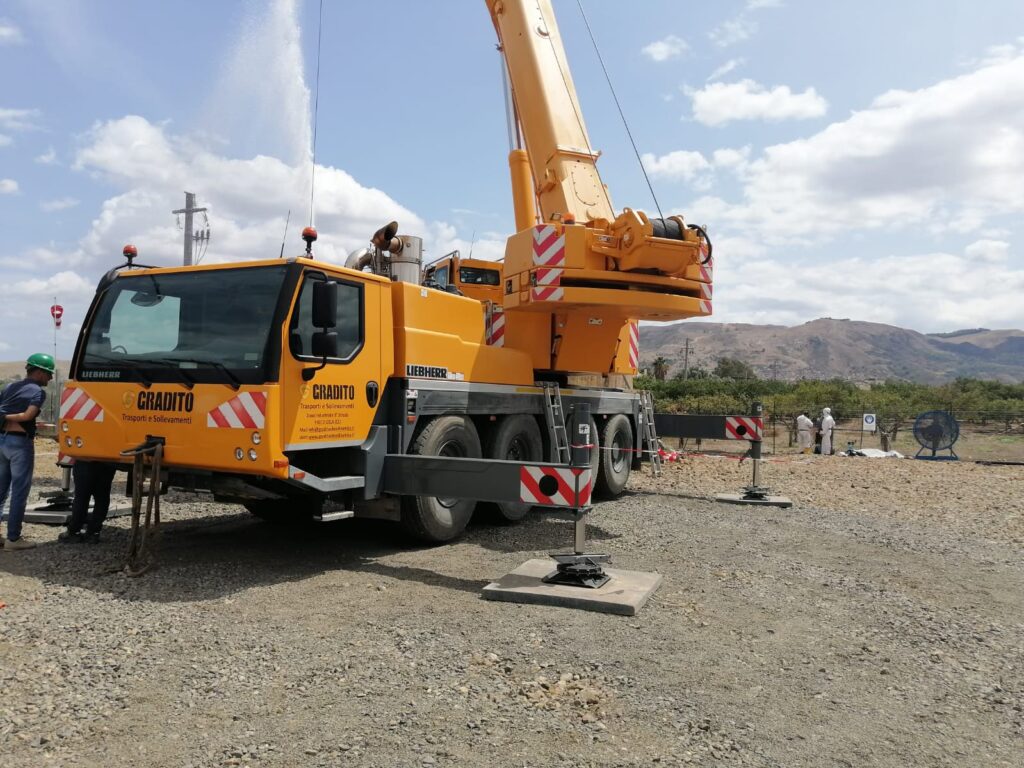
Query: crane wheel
[616, 457]
[516, 438]
[433, 518]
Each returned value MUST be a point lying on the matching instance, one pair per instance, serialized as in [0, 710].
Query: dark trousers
[92, 480]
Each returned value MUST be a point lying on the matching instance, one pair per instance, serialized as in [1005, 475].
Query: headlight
[67, 441]
[65, 426]
[252, 454]
[239, 454]
[256, 438]
[78, 442]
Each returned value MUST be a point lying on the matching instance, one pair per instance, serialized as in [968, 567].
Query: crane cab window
[349, 325]
[477, 276]
[441, 276]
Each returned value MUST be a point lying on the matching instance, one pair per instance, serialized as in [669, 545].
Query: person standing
[827, 425]
[804, 430]
[20, 404]
[92, 481]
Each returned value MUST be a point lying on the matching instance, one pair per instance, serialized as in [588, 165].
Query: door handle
[372, 393]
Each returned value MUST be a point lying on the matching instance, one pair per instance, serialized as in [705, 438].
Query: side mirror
[325, 344]
[325, 305]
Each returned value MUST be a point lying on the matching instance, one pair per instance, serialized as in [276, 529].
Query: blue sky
[860, 160]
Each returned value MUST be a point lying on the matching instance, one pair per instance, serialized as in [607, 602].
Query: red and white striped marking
[496, 328]
[565, 494]
[548, 286]
[707, 270]
[63, 460]
[548, 246]
[743, 428]
[634, 345]
[705, 291]
[246, 410]
[705, 307]
[76, 405]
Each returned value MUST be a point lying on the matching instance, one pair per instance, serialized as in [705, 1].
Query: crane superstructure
[302, 388]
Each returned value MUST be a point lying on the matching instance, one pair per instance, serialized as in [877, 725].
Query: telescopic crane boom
[576, 273]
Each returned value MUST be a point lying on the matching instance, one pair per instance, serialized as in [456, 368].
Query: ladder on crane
[648, 434]
[555, 419]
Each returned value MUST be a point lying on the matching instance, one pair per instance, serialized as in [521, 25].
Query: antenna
[288, 219]
[316, 110]
[472, 240]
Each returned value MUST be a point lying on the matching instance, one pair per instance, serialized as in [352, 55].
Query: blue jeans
[17, 460]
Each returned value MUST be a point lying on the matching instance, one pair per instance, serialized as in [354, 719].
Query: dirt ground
[878, 622]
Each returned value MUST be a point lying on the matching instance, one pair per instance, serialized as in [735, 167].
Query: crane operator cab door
[334, 406]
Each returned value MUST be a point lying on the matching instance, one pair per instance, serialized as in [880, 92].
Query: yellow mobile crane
[283, 384]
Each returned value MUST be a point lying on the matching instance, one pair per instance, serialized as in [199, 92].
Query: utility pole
[188, 210]
[687, 349]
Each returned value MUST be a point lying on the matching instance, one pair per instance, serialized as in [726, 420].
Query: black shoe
[91, 537]
[70, 537]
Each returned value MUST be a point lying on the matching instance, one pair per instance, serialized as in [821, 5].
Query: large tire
[616, 456]
[432, 518]
[516, 438]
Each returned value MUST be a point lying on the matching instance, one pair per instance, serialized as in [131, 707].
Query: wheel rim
[618, 454]
[518, 450]
[451, 449]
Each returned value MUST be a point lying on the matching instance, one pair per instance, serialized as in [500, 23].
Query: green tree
[733, 368]
[659, 368]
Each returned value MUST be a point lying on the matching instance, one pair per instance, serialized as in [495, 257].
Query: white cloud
[679, 165]
[733, 159]
[732, 31]
[5, 141]
[988, 251]
[18, 119]
[946, 157]
[60, 204]
[8, 187]
[49, 157]
[743, 26]
[66, 283]
[910, 291]
[725, 69]
[9, 33]
[719, 103]
[667, 48]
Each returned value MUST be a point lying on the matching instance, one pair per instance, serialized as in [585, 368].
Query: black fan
[936, 431]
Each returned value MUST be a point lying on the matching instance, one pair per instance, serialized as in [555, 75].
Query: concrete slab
[624, 595]
[767, 501]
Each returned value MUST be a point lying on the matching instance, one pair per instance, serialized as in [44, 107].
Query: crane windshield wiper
[132, 365]
[187, 380]
[236, 383]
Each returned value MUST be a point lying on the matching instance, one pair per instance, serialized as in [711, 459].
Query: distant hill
[848, 349]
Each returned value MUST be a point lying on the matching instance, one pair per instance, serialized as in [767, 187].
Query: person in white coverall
[827, 424]
[804, 432]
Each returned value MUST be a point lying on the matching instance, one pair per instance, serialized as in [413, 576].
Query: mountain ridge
[837, 348]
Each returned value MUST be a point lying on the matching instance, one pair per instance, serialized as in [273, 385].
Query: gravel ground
[878, 622]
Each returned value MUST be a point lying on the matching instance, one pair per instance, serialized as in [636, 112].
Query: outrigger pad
[753, 500]
[624, 594]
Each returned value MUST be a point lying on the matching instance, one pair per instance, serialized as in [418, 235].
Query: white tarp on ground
[874, 453]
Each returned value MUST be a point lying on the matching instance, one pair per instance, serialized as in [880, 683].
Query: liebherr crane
[301, 388]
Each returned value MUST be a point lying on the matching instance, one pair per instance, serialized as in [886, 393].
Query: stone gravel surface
[878, 622]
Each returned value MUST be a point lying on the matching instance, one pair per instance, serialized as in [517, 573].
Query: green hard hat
[42, 361]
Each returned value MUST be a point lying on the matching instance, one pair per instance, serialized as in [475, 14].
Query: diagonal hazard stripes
[247, 410]
[562, 492]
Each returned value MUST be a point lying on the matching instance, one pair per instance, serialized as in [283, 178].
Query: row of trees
[968, 399]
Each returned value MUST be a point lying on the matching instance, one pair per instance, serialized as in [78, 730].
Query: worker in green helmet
[20, 404]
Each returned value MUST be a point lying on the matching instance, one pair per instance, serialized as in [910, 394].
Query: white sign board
[870, 425]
